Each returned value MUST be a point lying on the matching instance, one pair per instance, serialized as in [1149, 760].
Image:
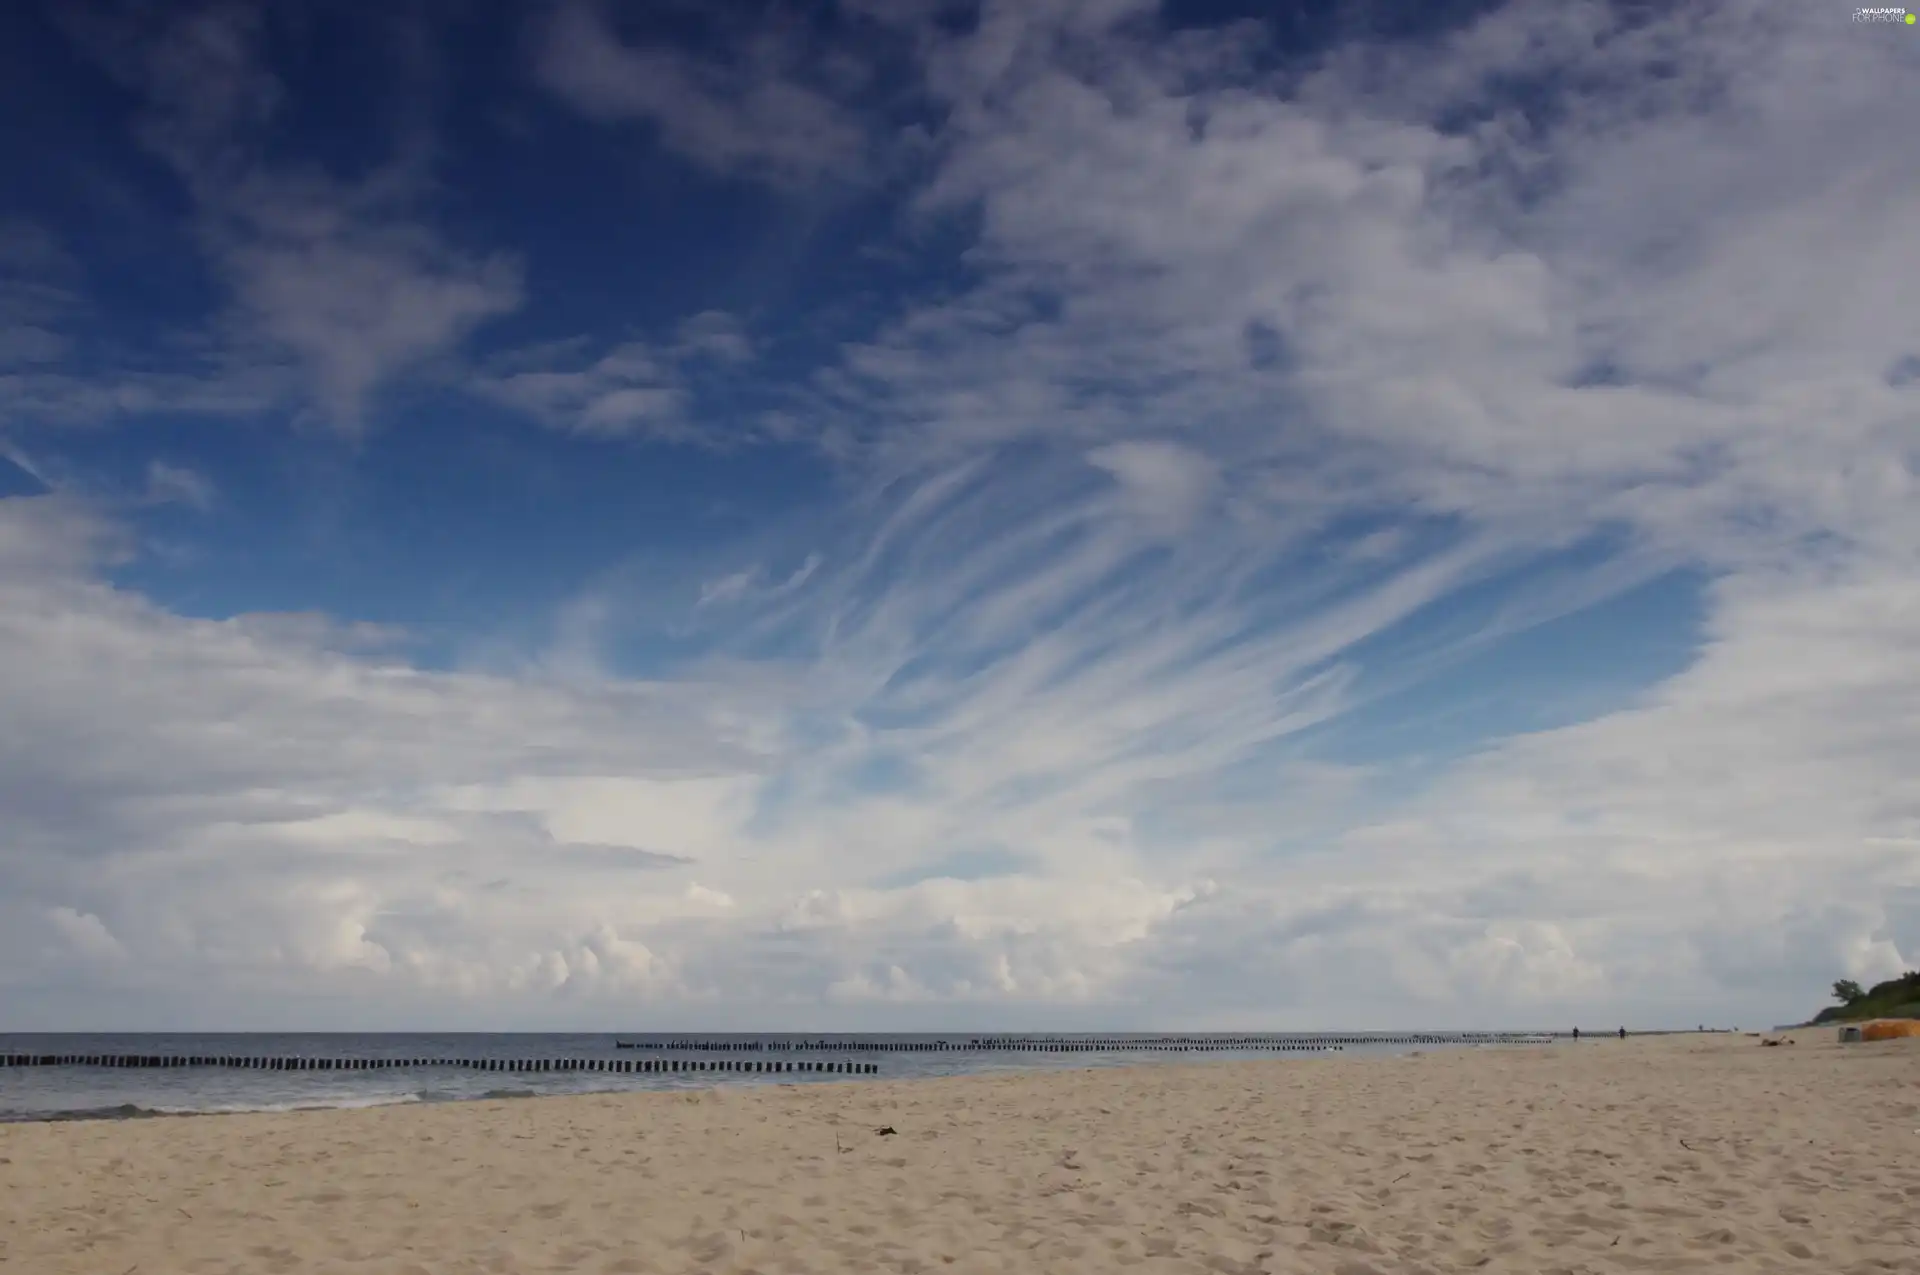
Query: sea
[69, 1092]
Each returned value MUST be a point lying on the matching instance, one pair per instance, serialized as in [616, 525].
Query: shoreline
[699, 1075]
[1652, 1154]
[704, 1075]
[711, 1083]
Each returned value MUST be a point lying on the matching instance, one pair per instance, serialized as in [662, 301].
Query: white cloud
[697, 893]
[1662, 307]
[269, 807]
[750, 582]
[627, 391]
[716, 335]
[1168, 485]
[178, 484]
[85, 934]
[357, 296]
[38, 301]
[729, 587]
[37, 296]
[1249, 372]
[691, 815]
[361, 827]
[634, 389]
[344, 279]
[55, 394]
[757, 116]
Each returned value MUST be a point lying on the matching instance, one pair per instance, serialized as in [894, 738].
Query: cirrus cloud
[1270, 398]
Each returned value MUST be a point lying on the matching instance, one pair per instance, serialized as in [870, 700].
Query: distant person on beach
[1576, 1033]
[1623, 1033]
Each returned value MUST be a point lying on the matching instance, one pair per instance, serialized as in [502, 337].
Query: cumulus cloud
[85, 934]
[697, 893]
[273, 805]
[1251, 374]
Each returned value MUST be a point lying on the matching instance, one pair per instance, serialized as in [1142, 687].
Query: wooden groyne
[729, 1059]
[1084, 1044]
[624, 1066]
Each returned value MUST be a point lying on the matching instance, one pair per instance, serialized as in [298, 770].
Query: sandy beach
[1684, 1153]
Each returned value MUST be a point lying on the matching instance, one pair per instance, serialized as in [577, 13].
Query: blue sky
[890, 513]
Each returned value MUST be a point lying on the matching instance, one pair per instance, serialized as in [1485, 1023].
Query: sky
[1072, 514]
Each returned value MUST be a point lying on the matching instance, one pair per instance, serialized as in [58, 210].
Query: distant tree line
[1895, 998]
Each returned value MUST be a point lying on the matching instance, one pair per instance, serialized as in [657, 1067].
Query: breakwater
[624, 1066]
[1094, 1044]
[671, 1055]
[48, 1075]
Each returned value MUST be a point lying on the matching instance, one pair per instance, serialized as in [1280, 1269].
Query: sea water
[61, 1092]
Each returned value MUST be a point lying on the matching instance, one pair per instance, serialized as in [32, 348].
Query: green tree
[1846, 991]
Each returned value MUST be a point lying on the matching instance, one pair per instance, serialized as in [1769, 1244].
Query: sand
[1689, 1153]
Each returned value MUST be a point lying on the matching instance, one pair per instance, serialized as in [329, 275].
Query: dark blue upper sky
[614, 235]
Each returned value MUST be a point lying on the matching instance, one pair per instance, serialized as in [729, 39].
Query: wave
[136, 1111]
[341, 1102]
[124, 1111]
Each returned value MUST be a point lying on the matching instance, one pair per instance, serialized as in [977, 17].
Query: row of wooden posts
[655, 1065]
[1081, 1044]
[840, 1067]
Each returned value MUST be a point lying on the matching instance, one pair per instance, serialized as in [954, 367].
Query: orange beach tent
[1888, 1028]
